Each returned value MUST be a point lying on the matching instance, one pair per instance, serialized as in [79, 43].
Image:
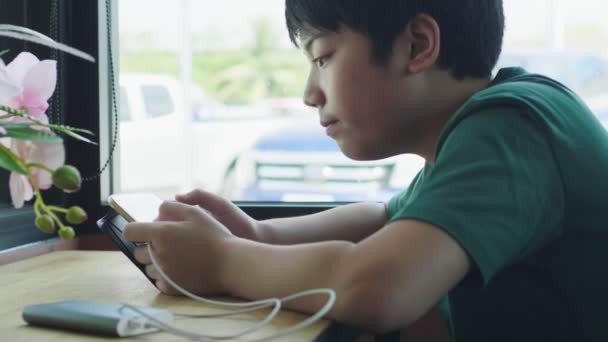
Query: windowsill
[95, 241]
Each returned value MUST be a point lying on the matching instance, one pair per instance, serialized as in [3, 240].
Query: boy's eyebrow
[309, 40]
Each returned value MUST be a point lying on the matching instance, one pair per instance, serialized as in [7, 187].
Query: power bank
[95, 318]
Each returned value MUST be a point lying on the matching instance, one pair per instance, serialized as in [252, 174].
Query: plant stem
[46, 209]
[37, 206]
[57, 209]
[12, 111]
[41, 166]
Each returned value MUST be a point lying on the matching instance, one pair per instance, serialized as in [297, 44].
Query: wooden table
[106, 276]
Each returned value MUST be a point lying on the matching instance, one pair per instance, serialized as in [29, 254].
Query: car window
[157, 101]
[124, 110]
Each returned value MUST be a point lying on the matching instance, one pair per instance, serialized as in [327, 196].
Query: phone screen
[136, 207]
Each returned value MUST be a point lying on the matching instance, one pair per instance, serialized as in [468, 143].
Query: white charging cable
[250, 306]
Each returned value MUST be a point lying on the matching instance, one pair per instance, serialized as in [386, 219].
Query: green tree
[263, 71]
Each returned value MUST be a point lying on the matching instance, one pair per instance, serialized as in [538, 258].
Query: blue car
[300, 163]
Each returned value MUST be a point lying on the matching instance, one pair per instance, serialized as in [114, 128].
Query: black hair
[471, 30]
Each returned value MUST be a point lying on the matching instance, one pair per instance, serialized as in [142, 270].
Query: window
[563, 40]
[243, 127]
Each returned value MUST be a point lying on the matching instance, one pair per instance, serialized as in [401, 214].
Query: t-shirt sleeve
[495, 188]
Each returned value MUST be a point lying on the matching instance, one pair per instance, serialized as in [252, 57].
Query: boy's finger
[152, 272]
[177, 211]
[141, 254]
[198, 197]
[141, 231]
[165, 288]
[204, 199]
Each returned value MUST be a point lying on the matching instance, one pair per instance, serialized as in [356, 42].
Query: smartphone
[136, 207]
[125, 208]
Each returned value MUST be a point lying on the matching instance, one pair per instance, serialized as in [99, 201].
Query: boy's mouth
[327, 123]
[330, 127]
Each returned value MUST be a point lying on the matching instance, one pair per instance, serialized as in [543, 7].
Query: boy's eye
[320, 61]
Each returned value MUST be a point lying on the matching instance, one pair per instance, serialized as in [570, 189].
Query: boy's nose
[314, 97]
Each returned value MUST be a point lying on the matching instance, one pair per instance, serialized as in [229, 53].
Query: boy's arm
[385, 282]
[352, 222]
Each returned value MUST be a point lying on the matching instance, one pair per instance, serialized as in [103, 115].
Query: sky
[210, 17]
[203, 13]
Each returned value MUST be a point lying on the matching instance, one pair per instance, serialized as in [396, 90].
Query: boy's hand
[189, 245]
[226, 212]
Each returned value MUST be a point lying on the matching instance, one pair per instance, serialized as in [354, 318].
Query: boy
[504, 229]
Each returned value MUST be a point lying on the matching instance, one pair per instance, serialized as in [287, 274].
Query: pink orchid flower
[36, 81]
[8, 88]
[50, 155]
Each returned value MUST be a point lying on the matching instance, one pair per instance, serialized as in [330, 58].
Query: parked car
[151, 125]
[301, 163]
[168, 147]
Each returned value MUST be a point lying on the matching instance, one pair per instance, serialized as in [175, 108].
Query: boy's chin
[358, 154]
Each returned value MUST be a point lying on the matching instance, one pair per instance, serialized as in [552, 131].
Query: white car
[168, 147]
[152, 117]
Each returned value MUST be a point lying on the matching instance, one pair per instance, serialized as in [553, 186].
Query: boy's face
[372, 111]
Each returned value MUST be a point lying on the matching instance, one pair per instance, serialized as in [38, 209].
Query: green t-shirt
[520, 180]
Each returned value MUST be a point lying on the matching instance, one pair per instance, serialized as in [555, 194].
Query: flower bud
[66, 233]
[76, 215]
[45, 224]
[67, 178]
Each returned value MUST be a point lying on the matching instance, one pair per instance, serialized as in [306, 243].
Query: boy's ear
[422, 39]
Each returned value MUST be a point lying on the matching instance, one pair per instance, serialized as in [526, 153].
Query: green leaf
[71, 131]
[80, 130]
[23, 33]
[8, 161]
[79, 137]
[63, 128]
[24, 131]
